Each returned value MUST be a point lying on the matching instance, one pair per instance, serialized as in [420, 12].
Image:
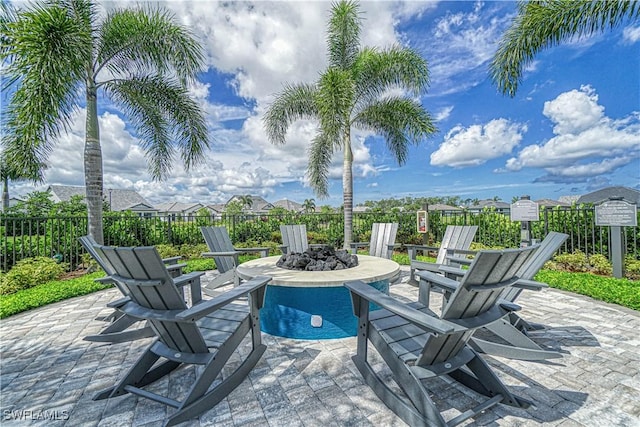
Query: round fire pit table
[314, 304]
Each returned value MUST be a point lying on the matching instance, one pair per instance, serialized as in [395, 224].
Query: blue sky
[573, 127]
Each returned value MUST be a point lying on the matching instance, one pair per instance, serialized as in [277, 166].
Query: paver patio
[47, 371]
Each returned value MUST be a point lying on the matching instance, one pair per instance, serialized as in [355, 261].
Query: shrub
[30, 272]
[576, 262]
[167, 251]
[600, 265]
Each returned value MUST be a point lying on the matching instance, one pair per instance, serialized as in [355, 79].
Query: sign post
[422, 223]
[616, 213]
[525, 211]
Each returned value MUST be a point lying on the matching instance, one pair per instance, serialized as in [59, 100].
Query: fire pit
[307, 304]
[321, 259]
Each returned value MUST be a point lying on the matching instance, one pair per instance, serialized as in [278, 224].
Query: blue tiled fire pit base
[288, 311]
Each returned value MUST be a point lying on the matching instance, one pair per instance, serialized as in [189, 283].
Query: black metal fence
[22, 237]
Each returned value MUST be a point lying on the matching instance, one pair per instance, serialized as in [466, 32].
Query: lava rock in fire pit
[325, 259]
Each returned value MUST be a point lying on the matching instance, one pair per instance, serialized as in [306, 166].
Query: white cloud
[443, 113]
[477, 144]
[587, 142]
[631, 35]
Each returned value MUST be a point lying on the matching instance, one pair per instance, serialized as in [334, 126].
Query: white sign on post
[524, 210]
[617, 213]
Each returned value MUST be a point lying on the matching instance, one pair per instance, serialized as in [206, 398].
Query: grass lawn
[623, 292]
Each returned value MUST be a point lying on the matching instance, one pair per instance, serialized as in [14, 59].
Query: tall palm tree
[354, 92]
[141, 59]
[542, 24]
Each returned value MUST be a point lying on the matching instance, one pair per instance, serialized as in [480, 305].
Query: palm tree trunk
[5, 193]
[93, 164]
[347, 190]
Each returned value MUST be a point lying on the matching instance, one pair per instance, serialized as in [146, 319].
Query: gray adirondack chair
[382, 242]
[206, 334]
[225, 255]
[120, 327]
[456, 237]
[514, 343]
[294, 239]
[418, 345]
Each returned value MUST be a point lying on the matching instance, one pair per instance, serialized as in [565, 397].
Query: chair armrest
[418, 318]
[264, 252]
[187, 278]
[450, 270]
[106, 280]
[357, 245]
[119, 302]
[438, 280]
[209, 306]
[458, 260]
[413, 250]
[173, 267]
[171, 260]
[531, 285]
[212, 254]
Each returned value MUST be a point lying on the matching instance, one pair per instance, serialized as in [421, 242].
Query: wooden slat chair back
[218, 240]
[417, 345]
[206, 334]
[549, 245]
[478, 292]
[225, 255]
[294, 238]
[383, 239]
[120, 329]
[456, 237]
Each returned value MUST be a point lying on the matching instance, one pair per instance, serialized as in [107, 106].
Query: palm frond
[542, 24]
[141, 41]
[293, 103]
[376, 71]
[400, 121]
[343, 34]
[46, 55]
[320, 153]
[335, 98]
[166, 119]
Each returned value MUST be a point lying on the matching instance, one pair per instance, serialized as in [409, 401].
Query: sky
[572, 128]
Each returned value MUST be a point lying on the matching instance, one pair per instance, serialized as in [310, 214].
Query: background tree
[542, 24]
[141, 59]
[309, 205]
[354, 91]
[246, 201]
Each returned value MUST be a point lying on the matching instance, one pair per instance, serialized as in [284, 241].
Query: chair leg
[484, 381]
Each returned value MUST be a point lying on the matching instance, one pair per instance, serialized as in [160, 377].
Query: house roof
[489, 203]
[551, 203]
[177, 207]
[259, 204]
[121, 200]
[443, 207]
[627, 194]
[289, 205]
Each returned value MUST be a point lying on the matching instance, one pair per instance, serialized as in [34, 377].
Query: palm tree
[139, 58]
[542, 24]
[10, 173]
[246, 201]
[354, 92]
[309, 205]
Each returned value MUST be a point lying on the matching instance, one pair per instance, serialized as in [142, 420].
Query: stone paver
[48, 373]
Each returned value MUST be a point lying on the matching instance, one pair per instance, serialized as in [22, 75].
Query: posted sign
[524, 210]
[617, 213]
[421, 221]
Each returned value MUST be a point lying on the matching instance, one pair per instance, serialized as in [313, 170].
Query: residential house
[258, 205]
[118, 200]
[627, 194]
[175, 210]
[498, 205]
[289, 205]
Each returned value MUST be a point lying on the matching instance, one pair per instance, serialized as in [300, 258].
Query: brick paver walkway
[48, 371]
